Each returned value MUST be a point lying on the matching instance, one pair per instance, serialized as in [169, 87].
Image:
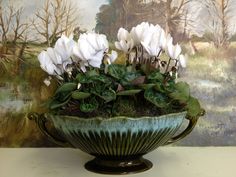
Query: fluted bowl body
[117, 137]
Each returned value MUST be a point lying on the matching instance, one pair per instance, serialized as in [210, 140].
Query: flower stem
[168, 64]
[135, 59]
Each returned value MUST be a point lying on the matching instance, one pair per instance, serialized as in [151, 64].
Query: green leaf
[193, 107]
[130, 76]
[129, 92]
[83, 79]
[181, 93]
[170, 87]
[57, 104]
[89, 105]
[146, 86]
[92, 73]
[80, 95]
[101, 78]
[79, 77]
[156, 76]
[67, 87]
[107, 95]
[156, 98]
[117, 71]
[62, 96]
[97, 88]
[159, 87]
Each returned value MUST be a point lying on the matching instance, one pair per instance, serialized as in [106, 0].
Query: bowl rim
[170, 115]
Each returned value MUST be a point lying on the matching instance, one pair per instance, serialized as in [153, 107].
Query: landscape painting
[206, 30]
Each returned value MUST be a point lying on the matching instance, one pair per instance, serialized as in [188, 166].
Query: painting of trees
[12, 27]
[169, 14]
[55, 18]
[126, 13]
[13, 32]
[221, 15]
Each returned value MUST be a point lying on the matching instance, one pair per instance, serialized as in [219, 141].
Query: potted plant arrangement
[117, 111]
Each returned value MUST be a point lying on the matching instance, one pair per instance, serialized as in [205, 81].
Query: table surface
[167, 162]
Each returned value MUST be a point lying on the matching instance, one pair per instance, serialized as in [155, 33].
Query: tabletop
[167, 162]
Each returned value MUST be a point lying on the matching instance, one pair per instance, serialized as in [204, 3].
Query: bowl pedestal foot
[118, 166]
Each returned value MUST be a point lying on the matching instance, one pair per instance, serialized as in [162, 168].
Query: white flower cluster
[153, 39]
[91, 48]
[88, 51]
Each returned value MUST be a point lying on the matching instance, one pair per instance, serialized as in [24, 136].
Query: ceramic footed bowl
[118, 143]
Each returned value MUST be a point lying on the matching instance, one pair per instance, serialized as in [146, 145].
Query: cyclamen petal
[92, 40]
[125, 42]
[118, 45]
[113, 56]
[77, 52]
[122, 34]
[102, 42]
[42, 57]
[169, 40]
[90, 49]
[47, 59]
[96, 60]
[182, 61]
[56, 59]
[86, 49]
[162, 39]
[170, 49]
[46, 63]
[177, 51]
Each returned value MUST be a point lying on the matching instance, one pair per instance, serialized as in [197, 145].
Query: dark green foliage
[106, 95]
[89, 105]
[156, 76]
[157, 98]
[117, 71]
[129, 92]
[121, 90]
[67, 87]
[80, 95]
[193, 107]
[181, 92]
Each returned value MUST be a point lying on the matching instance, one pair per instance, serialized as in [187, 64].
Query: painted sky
[88, 9]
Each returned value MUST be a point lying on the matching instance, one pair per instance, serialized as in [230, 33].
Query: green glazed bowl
[117, 143]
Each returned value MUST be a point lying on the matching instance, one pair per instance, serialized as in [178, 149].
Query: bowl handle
[41, 121]
[192, 123]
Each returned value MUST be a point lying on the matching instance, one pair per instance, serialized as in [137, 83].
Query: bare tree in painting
[175, 13]
[12, 28]
[192, 25]
[19, 27]
[6, 16]
[54, 18]
[221, 15]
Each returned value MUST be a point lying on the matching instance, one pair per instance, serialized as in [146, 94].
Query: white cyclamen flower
[125, 42]
[164, 39]
[139, 32]
[173, 50]
[90, 49]
[64, 47]
[182, 61]
[48, 62]
[151, 42]
[112, 57]
[152, 38]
